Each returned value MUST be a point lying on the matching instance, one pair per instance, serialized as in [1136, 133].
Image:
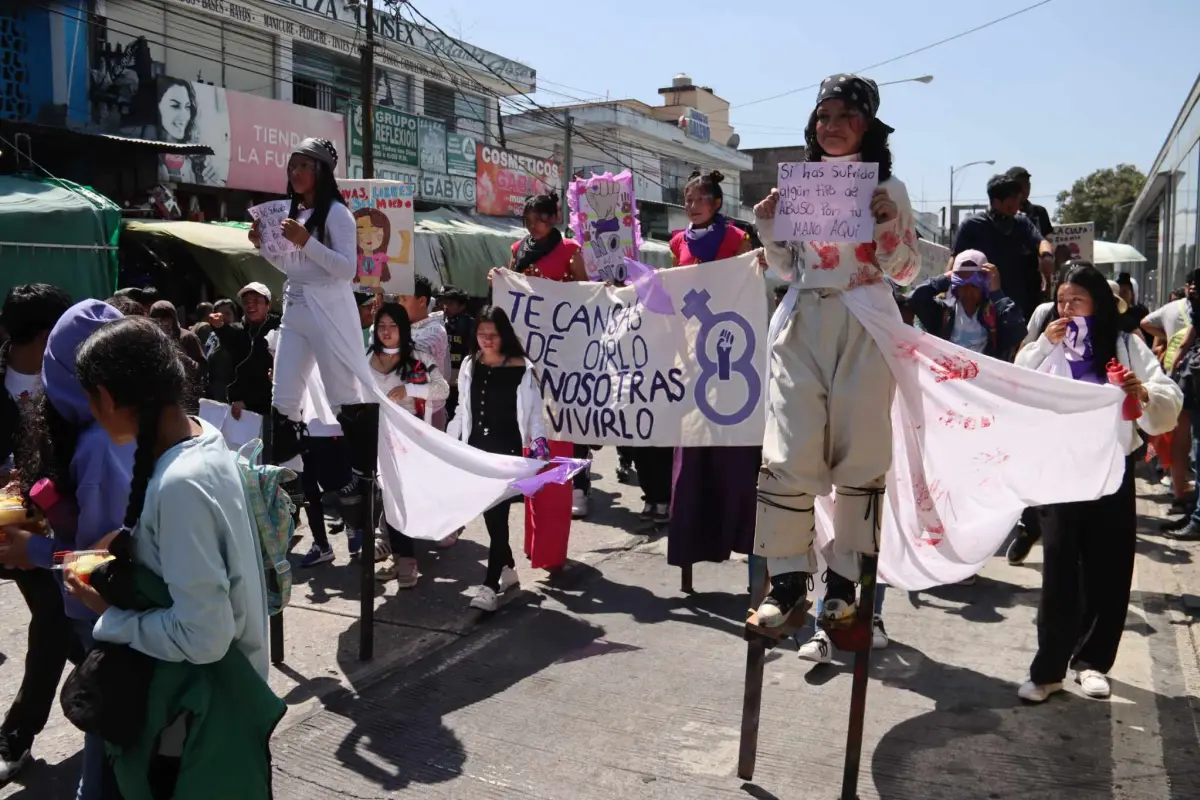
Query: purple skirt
[713, 503]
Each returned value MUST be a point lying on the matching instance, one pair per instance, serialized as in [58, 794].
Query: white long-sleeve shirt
[1159, 415]
[321, 264]
[434, 391]
[847, 265]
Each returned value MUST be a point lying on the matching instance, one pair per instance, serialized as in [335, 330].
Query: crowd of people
[102, 397]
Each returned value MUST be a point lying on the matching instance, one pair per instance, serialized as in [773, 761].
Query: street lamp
[953, 172]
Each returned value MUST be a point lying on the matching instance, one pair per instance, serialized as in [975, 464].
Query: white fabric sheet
[974, 441]
[434, 484]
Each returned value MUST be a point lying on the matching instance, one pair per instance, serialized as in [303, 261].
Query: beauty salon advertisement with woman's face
[251, 137]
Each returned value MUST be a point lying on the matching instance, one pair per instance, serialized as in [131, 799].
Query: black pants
[1089, 552]
[326, 469]
[500, 554]
[51, 641]
[583, 479]
[1031, 519]
[654, 466]
[402, 546]
[625, 456]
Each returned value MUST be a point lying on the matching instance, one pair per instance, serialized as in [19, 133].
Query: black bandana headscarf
[862, 93]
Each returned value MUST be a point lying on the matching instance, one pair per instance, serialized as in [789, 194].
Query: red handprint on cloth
[830, 258]
[865, 253]
[865, 275]
[955, 419]
[927, 497]
[889, 241]
[952, 368]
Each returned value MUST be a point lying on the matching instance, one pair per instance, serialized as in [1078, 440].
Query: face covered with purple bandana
[971, 279]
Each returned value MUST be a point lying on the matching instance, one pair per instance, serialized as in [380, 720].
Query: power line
[894, 59]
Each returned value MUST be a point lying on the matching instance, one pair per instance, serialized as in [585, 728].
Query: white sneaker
[1094, 683]
[1032, 692]
[485, 599]
[816, 649]
[509, 580]
[579, 504]
[879, 637]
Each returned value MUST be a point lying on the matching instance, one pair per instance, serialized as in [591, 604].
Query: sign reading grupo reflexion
[676, 358]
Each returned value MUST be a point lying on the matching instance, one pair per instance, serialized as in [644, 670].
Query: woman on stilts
[319, 313]
[713, 488]
[830, 389]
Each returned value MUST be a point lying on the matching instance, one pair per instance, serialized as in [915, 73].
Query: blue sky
[1062, 90]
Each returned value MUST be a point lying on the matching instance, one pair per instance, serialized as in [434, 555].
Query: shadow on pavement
[393, 734]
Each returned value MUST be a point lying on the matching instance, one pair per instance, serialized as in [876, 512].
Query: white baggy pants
[304, 343]
[830, 393]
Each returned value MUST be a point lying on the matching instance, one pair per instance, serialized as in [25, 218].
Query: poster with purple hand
[677, 357]
[604, 219]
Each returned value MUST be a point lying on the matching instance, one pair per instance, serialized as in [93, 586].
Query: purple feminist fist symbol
[695, 306]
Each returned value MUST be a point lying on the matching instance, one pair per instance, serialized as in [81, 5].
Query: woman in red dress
[715, 489]
[544, 253]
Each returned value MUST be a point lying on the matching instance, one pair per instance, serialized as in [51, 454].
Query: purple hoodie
[101, 470]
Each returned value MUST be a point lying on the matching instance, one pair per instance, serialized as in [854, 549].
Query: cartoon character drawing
[374, 234]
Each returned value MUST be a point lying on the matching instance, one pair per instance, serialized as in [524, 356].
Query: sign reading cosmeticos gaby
[504, 179]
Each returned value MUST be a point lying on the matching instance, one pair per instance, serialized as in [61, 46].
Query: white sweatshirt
[529, 406]
[1159, 415]
[319, 264]
[842, 266]
[434, 392]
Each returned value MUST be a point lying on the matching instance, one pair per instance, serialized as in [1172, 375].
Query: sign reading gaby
[825, 201]
[604, 217]
[678, 358]
[384, 221]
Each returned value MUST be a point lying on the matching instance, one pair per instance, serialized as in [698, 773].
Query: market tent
[57, 232]
[451, 248]
[1115, 253]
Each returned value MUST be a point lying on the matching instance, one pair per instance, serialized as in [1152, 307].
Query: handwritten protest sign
[384, 221]
[270, 217]
[612, 371]
[1080, 239]
[825, 201]
[604, 217]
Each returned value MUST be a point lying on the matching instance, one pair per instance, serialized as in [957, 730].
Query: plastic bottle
[1131, 409]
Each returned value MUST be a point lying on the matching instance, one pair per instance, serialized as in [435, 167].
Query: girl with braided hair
[187, 522]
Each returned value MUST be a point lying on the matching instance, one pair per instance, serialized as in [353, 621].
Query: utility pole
[367, 63]
[566, 173]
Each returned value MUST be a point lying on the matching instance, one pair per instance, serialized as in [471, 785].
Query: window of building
[315, 74]
[393, 89]
[472, 113]
[439, 104]
[1183, 227]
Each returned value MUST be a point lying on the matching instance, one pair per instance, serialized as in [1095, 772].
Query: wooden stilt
[685, 579]
[857, 639]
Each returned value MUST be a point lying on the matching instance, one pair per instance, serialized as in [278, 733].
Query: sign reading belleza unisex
[612, 371]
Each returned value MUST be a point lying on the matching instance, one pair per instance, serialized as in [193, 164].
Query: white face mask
[391, 351]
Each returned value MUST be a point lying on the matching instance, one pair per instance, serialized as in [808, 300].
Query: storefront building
[1162, 223]
[249, 79]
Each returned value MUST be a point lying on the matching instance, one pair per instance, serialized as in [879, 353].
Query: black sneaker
[1174, 524]
[1184, 505]
[1018, 551]
[839, 604]
[787, 592]
[14, 755]
[1188, 533]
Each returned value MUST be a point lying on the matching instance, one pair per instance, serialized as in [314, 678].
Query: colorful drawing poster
[604, 219]
[1080, 239]
[383, 217]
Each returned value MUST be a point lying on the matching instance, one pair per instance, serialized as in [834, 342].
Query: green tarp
[57, 232]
